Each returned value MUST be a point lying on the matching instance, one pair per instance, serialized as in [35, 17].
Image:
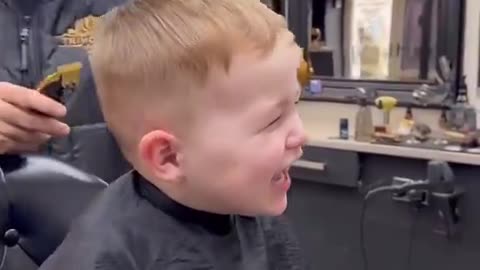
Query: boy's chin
[280, 207]
[272, 208]
[276, 208]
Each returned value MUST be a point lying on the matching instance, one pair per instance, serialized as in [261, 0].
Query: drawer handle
[319, 166]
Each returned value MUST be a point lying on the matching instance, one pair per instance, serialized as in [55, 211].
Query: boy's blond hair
[150, 56]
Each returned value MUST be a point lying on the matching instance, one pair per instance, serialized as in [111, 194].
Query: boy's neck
[214, 223]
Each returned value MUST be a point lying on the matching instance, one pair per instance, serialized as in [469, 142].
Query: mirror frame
[342, 90]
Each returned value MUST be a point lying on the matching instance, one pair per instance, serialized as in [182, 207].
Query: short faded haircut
[154, 54]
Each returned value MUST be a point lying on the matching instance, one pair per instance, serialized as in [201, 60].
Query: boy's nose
[298, 136]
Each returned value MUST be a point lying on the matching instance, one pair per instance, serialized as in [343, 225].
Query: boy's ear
[158, 152]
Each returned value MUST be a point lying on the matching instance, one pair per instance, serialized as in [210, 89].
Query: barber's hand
[28, 119]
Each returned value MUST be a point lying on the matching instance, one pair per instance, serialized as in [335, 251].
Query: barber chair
[39, 198]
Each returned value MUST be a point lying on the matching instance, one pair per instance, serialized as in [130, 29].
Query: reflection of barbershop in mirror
[375, 39]
[391, 46]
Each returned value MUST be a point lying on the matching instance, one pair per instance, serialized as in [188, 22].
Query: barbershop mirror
[375, 39]
[386, 45]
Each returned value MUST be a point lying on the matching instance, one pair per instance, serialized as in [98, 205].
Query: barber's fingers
[31, 121]
[8, 146]
[25, 148]
[21, 135]
[31, 100]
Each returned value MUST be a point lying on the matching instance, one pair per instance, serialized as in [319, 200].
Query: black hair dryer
[444, 197]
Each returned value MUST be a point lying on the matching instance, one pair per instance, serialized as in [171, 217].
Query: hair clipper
[67, 77]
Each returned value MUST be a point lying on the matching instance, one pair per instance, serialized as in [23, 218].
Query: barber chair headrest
[39, 198]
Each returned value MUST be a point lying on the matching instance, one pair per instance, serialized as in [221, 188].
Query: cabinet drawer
[328, 166]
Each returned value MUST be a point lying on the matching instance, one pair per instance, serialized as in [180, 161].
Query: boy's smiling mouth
[282, 180]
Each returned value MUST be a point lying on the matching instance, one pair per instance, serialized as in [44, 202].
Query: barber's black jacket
[134, 226]
[36, 37]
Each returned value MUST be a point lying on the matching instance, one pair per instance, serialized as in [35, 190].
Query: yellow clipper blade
[70, 74]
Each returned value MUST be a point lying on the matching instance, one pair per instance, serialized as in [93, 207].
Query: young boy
[201, 97]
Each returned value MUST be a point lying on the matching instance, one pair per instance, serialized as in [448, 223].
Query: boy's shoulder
[119, 231]
[123, 231]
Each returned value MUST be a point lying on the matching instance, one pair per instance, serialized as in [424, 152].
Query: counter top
[321, 122]
[398, 151]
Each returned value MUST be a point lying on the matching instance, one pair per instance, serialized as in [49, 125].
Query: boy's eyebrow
[285, 100]
[281, 103]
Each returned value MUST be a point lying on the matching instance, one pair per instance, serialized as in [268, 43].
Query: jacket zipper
[30, 48]
[36, 52]
[24, 51]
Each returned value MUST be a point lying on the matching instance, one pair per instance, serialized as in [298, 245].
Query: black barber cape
[134, 226]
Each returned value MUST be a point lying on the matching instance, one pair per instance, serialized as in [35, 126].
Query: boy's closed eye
[282, 104]
[274, 121]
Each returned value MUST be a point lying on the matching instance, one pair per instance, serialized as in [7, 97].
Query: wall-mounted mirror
[375, 39]
[391, 46]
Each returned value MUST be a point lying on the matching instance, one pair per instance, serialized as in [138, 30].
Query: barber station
[389, 177]
[390, 174]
